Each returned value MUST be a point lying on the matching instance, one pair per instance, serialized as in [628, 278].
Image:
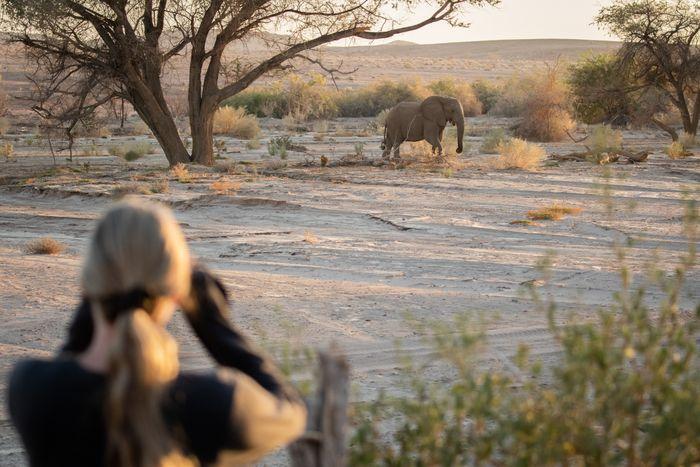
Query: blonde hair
[138, 246]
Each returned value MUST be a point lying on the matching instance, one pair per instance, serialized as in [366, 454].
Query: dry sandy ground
[387, 243]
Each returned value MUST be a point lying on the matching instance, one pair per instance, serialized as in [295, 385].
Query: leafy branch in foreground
[626, 390]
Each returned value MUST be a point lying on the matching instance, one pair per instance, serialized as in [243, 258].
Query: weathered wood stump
[323, 445]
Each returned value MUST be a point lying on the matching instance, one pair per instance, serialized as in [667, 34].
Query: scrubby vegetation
[554, 212]
[234, 121]
[493, 140]
[604, 139]
[310, 98]
[624, 391]
[44, 246]
[516, 153]
[131, 151]
[545, 115]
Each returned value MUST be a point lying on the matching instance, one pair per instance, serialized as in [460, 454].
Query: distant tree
[661, 51]
[90, 52]
[600, 93]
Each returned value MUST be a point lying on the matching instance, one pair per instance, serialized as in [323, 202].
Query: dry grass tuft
[161, 185]
[516, 153]
[522, 222]
[309, 237]
[44, 246]
[554, 212]
[130, 189]
[181, 173]
[236, 122]
[677, 150]
[225, 186]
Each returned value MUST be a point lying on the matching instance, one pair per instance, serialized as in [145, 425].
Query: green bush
[460, 90]
[493, 140]
[487, 92]
[625, 391]
[369, 101]
[598, 90]
[131, 151]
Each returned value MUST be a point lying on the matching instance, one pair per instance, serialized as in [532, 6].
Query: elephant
[416, 121]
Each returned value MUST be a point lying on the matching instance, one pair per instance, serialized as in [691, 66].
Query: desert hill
[531, 49]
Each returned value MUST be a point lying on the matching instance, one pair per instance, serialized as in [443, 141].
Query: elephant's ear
[432, 110]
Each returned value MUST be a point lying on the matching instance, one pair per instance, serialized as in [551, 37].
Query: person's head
[137, 269]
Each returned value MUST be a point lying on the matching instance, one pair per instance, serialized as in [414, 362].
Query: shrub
[676, 150]
[369, 101]
[516, 153]
[225, 186]
[488, 94]
[460, 90]
[161, 185]
[181, 173]
[514, 94]
[310, 237]
[131, 151]
[545, 116]
[279, 145]
[493, 140]
[597, 89]
[554, 212]
[44, 246]
[6, 150]
[236, 122]
[604, 139]
[253, 144]
[624, 389]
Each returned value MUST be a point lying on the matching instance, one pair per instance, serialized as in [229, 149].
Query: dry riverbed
[344, 254]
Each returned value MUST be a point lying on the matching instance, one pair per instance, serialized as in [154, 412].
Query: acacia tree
[661, 51]
[89, 52]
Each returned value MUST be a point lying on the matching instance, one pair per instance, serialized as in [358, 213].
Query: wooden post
[324, 443]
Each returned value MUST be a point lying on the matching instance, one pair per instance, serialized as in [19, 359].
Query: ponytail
[142, 362]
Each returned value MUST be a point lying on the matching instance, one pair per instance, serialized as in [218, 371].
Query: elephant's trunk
[460, 132]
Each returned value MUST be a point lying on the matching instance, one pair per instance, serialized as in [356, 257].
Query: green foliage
[626, 390]
[604, 139]
[460, 90]
[131, 151]
[487, 92]
[279, 145]
[311, 98]
[369, 101]
[598, 90]
[493, 140]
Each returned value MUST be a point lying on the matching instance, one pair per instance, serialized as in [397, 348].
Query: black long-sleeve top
[239, 413]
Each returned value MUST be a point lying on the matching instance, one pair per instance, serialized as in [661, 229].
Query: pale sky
[517, 19]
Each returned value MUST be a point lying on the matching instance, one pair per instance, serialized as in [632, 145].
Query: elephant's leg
[432, 134]
[397, 153]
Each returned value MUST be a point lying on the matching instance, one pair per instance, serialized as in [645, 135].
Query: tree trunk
[147, 98]
[667, 128]
[165, 131]
[202, 126]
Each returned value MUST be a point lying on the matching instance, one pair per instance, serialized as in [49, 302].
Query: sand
[345, 254]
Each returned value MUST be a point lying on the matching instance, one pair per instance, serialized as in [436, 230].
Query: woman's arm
[266, 411]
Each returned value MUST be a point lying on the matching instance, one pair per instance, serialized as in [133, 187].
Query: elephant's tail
[383, 146]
